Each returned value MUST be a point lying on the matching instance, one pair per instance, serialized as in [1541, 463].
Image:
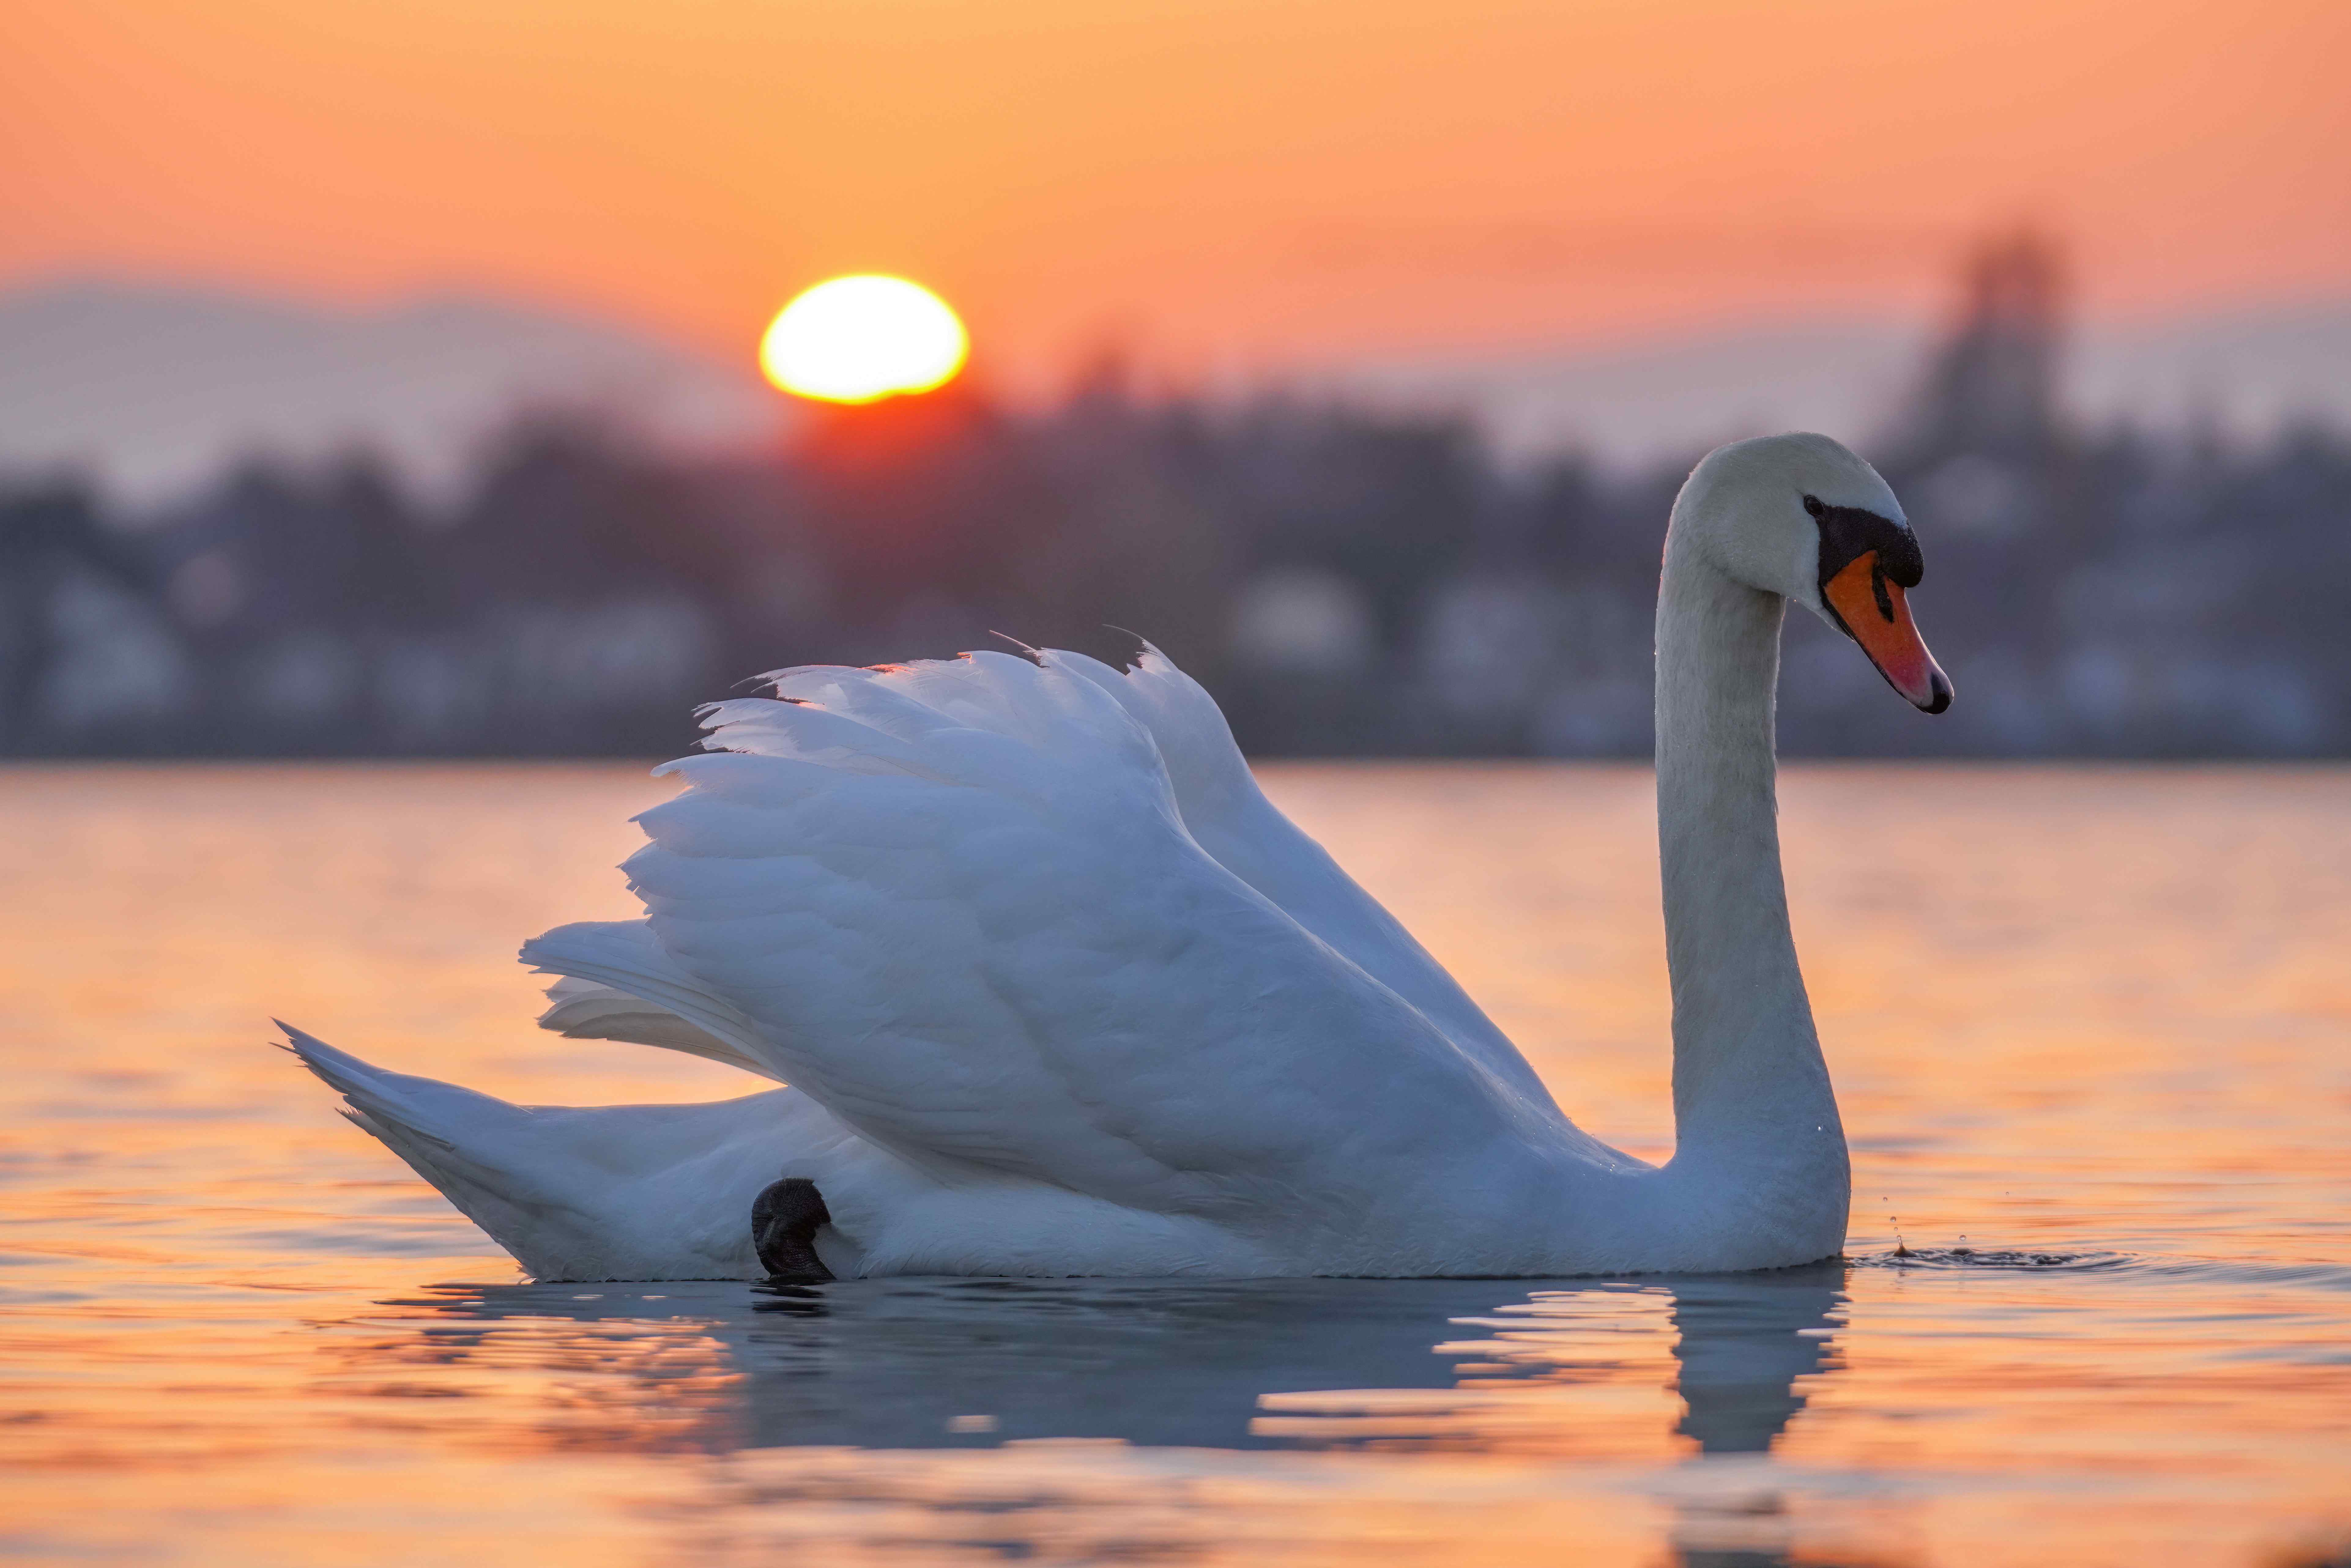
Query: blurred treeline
[1345, 582]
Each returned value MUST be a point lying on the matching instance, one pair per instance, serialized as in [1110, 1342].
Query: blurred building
[1346, 583]
[1990, 389]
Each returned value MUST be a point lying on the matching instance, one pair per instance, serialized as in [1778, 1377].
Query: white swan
[1058, 992]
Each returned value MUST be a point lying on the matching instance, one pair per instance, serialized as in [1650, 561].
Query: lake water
[2092, 1026]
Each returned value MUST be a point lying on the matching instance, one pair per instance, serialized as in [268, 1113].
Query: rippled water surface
[2092, 1029]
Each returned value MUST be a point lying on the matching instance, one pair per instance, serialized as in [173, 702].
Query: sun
[862, 338]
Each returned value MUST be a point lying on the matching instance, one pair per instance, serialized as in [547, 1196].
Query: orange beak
[1871, 608]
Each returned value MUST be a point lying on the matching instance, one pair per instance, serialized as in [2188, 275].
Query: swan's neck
[1752, 1103]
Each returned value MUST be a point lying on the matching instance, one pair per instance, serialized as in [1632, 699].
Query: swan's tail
[447, 1134]
[612, 1192]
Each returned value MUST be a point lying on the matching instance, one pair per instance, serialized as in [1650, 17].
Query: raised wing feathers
[957, 904]
[1230, 818]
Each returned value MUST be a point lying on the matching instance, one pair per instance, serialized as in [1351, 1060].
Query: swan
[1056, 990]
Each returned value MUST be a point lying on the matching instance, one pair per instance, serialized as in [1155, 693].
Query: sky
[1217, 186]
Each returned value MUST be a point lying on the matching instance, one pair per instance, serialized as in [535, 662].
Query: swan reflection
[1671, 1378]
[1745, 1345]
[890, 1364]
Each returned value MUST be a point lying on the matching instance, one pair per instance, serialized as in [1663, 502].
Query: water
[2092, 1026]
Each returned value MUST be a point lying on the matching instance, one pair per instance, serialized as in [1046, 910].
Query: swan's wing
[1215, 795]
[584, 1009]
[618, 984]
[998, 947]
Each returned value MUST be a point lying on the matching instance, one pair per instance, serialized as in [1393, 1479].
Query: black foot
[783, 1229]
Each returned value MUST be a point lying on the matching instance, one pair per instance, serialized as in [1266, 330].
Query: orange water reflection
[2098, 1013]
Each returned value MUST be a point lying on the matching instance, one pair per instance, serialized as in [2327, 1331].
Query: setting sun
[861, 338]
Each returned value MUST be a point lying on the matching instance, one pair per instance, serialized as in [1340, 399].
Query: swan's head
[1802, 516]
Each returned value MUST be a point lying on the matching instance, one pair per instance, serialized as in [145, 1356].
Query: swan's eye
[1813, 505]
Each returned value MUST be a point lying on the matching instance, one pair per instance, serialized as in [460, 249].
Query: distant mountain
[2247, 372]
[2245, 375]
[155, 389]
[1632, 403]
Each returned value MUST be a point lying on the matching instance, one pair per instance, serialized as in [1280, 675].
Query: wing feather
[1000, 948]
[1231, 816]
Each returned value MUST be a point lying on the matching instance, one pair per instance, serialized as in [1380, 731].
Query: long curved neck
[1752, 1094]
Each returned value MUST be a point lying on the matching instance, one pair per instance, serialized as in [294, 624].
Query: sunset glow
[1282, 185]
[863, 337]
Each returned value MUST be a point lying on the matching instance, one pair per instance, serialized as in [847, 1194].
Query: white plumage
[1056, 990]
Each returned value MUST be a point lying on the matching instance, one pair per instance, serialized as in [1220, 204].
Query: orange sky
[1225, 183]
